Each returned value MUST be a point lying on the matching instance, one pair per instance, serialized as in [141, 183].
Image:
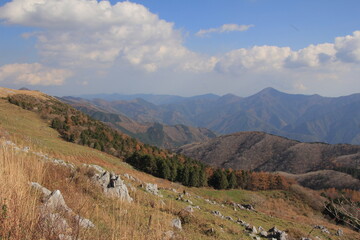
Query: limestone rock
[251, 229]
[248, 207]
[46, 192]
[56, 202]
[83, 222]
[277, 234]
[189, 209]
[152, 188]
[113, 185]
[263, 234]
[168, 235]
[176, 223]
[54, 210]
[322, 228]
[217, 213]
[339, 232]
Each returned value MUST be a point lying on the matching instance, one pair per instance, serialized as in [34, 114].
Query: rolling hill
[259, 151]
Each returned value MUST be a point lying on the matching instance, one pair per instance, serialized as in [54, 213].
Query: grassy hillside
[148, 216]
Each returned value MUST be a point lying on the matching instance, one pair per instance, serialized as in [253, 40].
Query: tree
[219, 180]
[149, 164]
[232, 180]
[163, 168]
[194, 179]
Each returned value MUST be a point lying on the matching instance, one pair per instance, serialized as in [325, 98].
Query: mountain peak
[269, 90]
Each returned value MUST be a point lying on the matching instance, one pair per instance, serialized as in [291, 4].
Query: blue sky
[281, 22]
[183, 47]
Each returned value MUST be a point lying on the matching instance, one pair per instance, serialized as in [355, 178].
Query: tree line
[193, 173]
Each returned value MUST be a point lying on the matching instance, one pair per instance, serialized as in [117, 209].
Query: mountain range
[309, 118]
[153, 133]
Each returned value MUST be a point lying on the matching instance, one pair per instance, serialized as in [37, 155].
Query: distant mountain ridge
[310, 118]
[152, 98]
[153, 133]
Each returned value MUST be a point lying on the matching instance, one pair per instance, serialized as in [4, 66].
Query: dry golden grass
[5, 92]
[145, 218]
[19, 215]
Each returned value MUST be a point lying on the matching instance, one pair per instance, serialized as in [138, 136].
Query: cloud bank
[33, 74]
[79, 33]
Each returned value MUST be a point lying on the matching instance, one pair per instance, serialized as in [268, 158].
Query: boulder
[189, 209]
[46, 192]
[217, 213]
[83, 222]
[322, 228]
[54, 210]
[113, 185]
[277, 234]
[251, 229]
[176, 223]
[55, 202]
[152, 188]
[248, 207]
[264, 234]
[339, 232]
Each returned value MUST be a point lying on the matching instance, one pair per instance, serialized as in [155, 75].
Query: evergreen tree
[194, 179]
[219, 180]
[232, 180]
[149, 164]
[163, 168]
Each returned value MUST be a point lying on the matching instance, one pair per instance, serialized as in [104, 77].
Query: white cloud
[348, 47]
[258, 58]
[86, 33]
[312, 56]
[33, 74]
[224, 28]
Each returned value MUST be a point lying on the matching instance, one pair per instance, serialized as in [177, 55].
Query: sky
[73, 47]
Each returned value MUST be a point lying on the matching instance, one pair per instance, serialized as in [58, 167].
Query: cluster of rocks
[218, 214]
[322, 228]
[277, 234]
[243, 206]
[256, 233]
[211, 201]
[41, 155]
[55, 214]
[111, 184]
[272, 233]
[134, 179]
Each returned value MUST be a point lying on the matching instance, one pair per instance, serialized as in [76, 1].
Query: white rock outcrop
[111, 183]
